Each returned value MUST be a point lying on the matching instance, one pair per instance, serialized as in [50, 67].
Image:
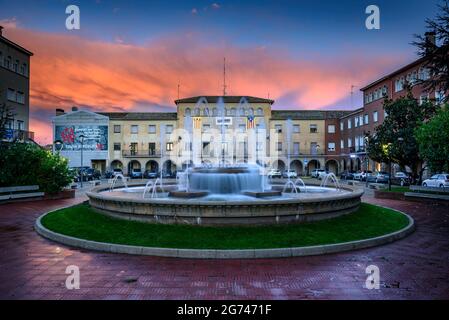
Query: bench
[430, 189]
[21, 192]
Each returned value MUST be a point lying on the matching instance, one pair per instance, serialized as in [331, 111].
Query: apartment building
[15, 87]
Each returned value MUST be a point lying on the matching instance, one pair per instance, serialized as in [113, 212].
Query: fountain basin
[215, 209]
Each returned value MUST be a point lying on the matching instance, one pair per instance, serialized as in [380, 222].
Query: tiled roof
[140, 115]
[227, 99]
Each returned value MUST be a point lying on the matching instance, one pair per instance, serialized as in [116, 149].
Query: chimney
[430, 41]
[1, 31]
[74, 109]
[59, 112]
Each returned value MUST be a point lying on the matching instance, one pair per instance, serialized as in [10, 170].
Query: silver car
[438, 180]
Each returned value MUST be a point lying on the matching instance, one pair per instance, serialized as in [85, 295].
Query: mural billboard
[95, 137]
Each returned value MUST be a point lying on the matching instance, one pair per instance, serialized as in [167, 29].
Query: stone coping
[225, 254]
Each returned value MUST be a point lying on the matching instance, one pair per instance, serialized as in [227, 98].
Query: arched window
[260, 112]
[188, 112]
[197, 112]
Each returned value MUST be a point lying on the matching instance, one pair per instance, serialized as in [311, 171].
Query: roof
[307, 114]
[227, 99]
[353, 112]
[15, 45]
[140, 115]
[398, 71]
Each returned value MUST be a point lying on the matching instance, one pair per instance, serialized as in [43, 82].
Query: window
[384, 91]
[11, 95]
[375, 116]
[296, 128]
[206, 127]
[342, 125]
[296, 148]
[313, 128]
[151, 148]
[197, 112]
[331, 128]
[356, 122]
[349, 124]
[20, 125]
[206, 112]
[117, 146]
[360, 120]
[133, 148]
[188, 112]
[260, 112]
[279, 146]
[423, 98]
[349, 143]
[242, 127]
[439, 96]
[169, 146]
[366, 121]
[23, 69]
[233, 112]
[20, 97]
[169, 129]
[399, 84]
[7, 62]
[15, 66]
[331, 146]
[134, 129]
[342, 143]
[278, 128]
[117, 128]
[151, 128]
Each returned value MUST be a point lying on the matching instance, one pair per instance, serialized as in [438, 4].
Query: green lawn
[82, 222]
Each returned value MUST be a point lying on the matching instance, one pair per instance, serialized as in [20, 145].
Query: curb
[225, 254]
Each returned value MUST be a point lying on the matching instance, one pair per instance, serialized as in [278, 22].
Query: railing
[21, 135]
[152, 153]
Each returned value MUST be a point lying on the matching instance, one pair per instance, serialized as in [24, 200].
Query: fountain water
[114, 181]
[295, 186]
[333, 178]
[151, 186]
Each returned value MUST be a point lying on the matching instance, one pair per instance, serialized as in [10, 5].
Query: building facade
[15, 87]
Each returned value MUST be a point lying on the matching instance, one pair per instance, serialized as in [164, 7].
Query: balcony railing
[18, 135]
[152, 153]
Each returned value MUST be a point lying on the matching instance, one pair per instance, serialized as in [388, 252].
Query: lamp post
[58, 145]
[367, 160]
[81, 137]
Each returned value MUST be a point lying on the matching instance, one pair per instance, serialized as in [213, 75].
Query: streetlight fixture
[58, 145]
[81, 137]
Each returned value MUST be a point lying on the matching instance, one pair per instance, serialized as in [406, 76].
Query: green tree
[394, 139]
[433, 138]
[436, 51]
[28, 164]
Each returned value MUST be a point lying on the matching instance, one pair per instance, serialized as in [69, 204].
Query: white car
[438, 180]
[358, 175]
[273, 173]
[290, 174]
[317, 172]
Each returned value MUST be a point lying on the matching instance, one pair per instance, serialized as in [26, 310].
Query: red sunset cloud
[69, 70]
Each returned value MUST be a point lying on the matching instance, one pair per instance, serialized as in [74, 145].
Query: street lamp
[81, 137]
[367, 159]
[58, 145]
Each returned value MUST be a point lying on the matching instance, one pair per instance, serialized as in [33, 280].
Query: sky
[131, 55]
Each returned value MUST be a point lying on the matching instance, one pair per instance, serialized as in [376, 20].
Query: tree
[394, 139]
[433, 138]
[28, 164]
[436, 51]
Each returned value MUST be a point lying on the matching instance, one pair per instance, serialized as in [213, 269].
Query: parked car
[358, 175]
[148, 174]
[169, 174]
[438, 180]
[322, 174]
[273, 173]
[347, 175]
[378, 177]
[365, 174]
[117, 171]
[92, 174]
[290, 174]
[401, 179]
[136, 174]
[316, 173]
[109, 174]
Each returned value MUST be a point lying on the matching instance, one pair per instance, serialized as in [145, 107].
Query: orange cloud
[69, 70]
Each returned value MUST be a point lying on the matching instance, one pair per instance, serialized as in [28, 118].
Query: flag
[197, 123]
[250, 123]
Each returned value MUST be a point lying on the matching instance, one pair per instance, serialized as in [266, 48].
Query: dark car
[92, 174]
[379, 177]
[109, 174]
[347, 175]
[149, 174]
[136, 174]
[401, 179]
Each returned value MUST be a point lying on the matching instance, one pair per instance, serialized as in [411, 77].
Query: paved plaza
[31, 267]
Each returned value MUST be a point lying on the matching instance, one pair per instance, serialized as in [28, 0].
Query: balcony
[152, 153]
[18, 135]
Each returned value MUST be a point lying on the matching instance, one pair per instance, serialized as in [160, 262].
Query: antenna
[352, 94]
[178, 88]
[224, 76]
